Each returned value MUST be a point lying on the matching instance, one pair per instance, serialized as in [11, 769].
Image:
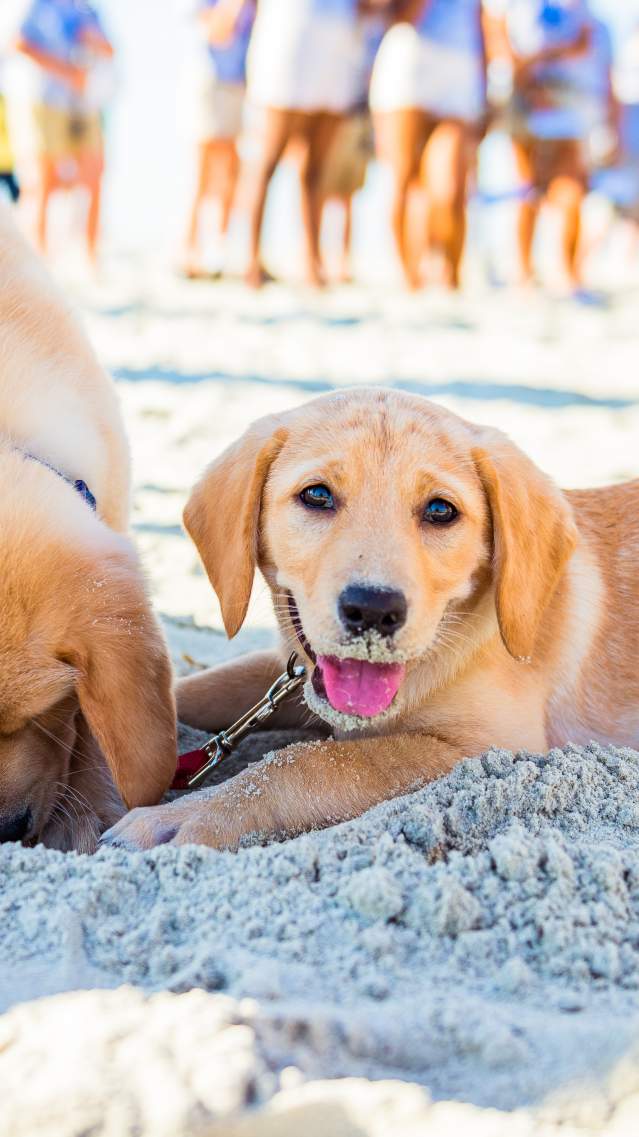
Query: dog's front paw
[174, 824]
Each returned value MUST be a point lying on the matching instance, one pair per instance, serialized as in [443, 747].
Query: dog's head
[84, 677]
[394, 536]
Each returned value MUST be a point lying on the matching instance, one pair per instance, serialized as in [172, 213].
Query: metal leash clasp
[221, 745]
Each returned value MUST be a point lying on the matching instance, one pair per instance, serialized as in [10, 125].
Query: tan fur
[84, 671]
[222, 516]
[523, 616]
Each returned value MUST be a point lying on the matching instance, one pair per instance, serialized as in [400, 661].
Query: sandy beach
[465, 959]
[461, 961]
[467, 953]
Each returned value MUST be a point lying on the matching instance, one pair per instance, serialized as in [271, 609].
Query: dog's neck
[79, 485]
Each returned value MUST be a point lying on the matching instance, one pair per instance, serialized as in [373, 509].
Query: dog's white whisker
[67, 818]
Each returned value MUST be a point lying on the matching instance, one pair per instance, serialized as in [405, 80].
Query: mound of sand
[479, 938]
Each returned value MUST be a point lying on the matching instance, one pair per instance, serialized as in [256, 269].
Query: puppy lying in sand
[444, 594]
[85, 681]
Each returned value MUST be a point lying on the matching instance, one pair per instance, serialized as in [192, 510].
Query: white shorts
[305, 61]
[218, 110]
[413, 72]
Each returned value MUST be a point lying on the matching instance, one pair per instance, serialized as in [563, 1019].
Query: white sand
[479, 938]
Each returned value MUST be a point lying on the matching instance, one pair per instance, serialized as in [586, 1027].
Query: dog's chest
[584, 721]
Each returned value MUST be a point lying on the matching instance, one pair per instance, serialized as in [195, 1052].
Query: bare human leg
[528, 209]
[568, 195]
[566, 192]
[217, 176]
[346, 274]
[192, 264]
[47, 181]
[230, 163]
[93, 181]
[418, 234]
[277, 130]
[446, 171]
[320, 131]
[404, 134]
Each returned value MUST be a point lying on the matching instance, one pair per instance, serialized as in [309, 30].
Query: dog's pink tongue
[356, 687]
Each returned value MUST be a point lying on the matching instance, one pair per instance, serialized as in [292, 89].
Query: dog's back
[605, 619]
[86, 703]
[56, 402]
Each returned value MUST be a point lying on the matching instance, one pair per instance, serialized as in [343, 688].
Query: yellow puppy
[445, 594]
[84, 673]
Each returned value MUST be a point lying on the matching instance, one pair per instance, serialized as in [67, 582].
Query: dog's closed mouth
[356, 686]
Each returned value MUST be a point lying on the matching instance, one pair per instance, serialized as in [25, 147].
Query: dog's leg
[306, 786]
[214, 699]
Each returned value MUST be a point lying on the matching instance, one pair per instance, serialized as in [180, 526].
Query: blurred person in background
[550, 42]
[304, 69]
[428, 98]
[620, 182]
[593, 79]
[593, 83]
[344, 174]
[220, 77]
[353, 147]
[67, 42]
[8, 179]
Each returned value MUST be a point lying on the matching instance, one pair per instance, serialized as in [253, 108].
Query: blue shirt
[452, 23]
[58, 27]
[536, 25]
[592, 72]
[229, 60]
[345, 8]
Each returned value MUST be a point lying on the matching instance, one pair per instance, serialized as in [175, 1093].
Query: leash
[298, 629]
[193, 766]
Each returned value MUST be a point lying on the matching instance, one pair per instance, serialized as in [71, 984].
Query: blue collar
[78, 484]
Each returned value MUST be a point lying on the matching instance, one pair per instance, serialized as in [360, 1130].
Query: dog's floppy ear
[534, 534]
[124, 679]
[223, 512]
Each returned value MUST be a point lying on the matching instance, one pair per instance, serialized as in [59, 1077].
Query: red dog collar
[188, 766]
[193, 765]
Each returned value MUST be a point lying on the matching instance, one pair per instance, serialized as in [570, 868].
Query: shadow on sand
[480, 391]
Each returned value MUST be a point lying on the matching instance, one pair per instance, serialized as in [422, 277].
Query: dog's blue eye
[317, 497]
[440, 512]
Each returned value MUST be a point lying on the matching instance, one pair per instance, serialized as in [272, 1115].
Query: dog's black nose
[16, 827]
[365, 609]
